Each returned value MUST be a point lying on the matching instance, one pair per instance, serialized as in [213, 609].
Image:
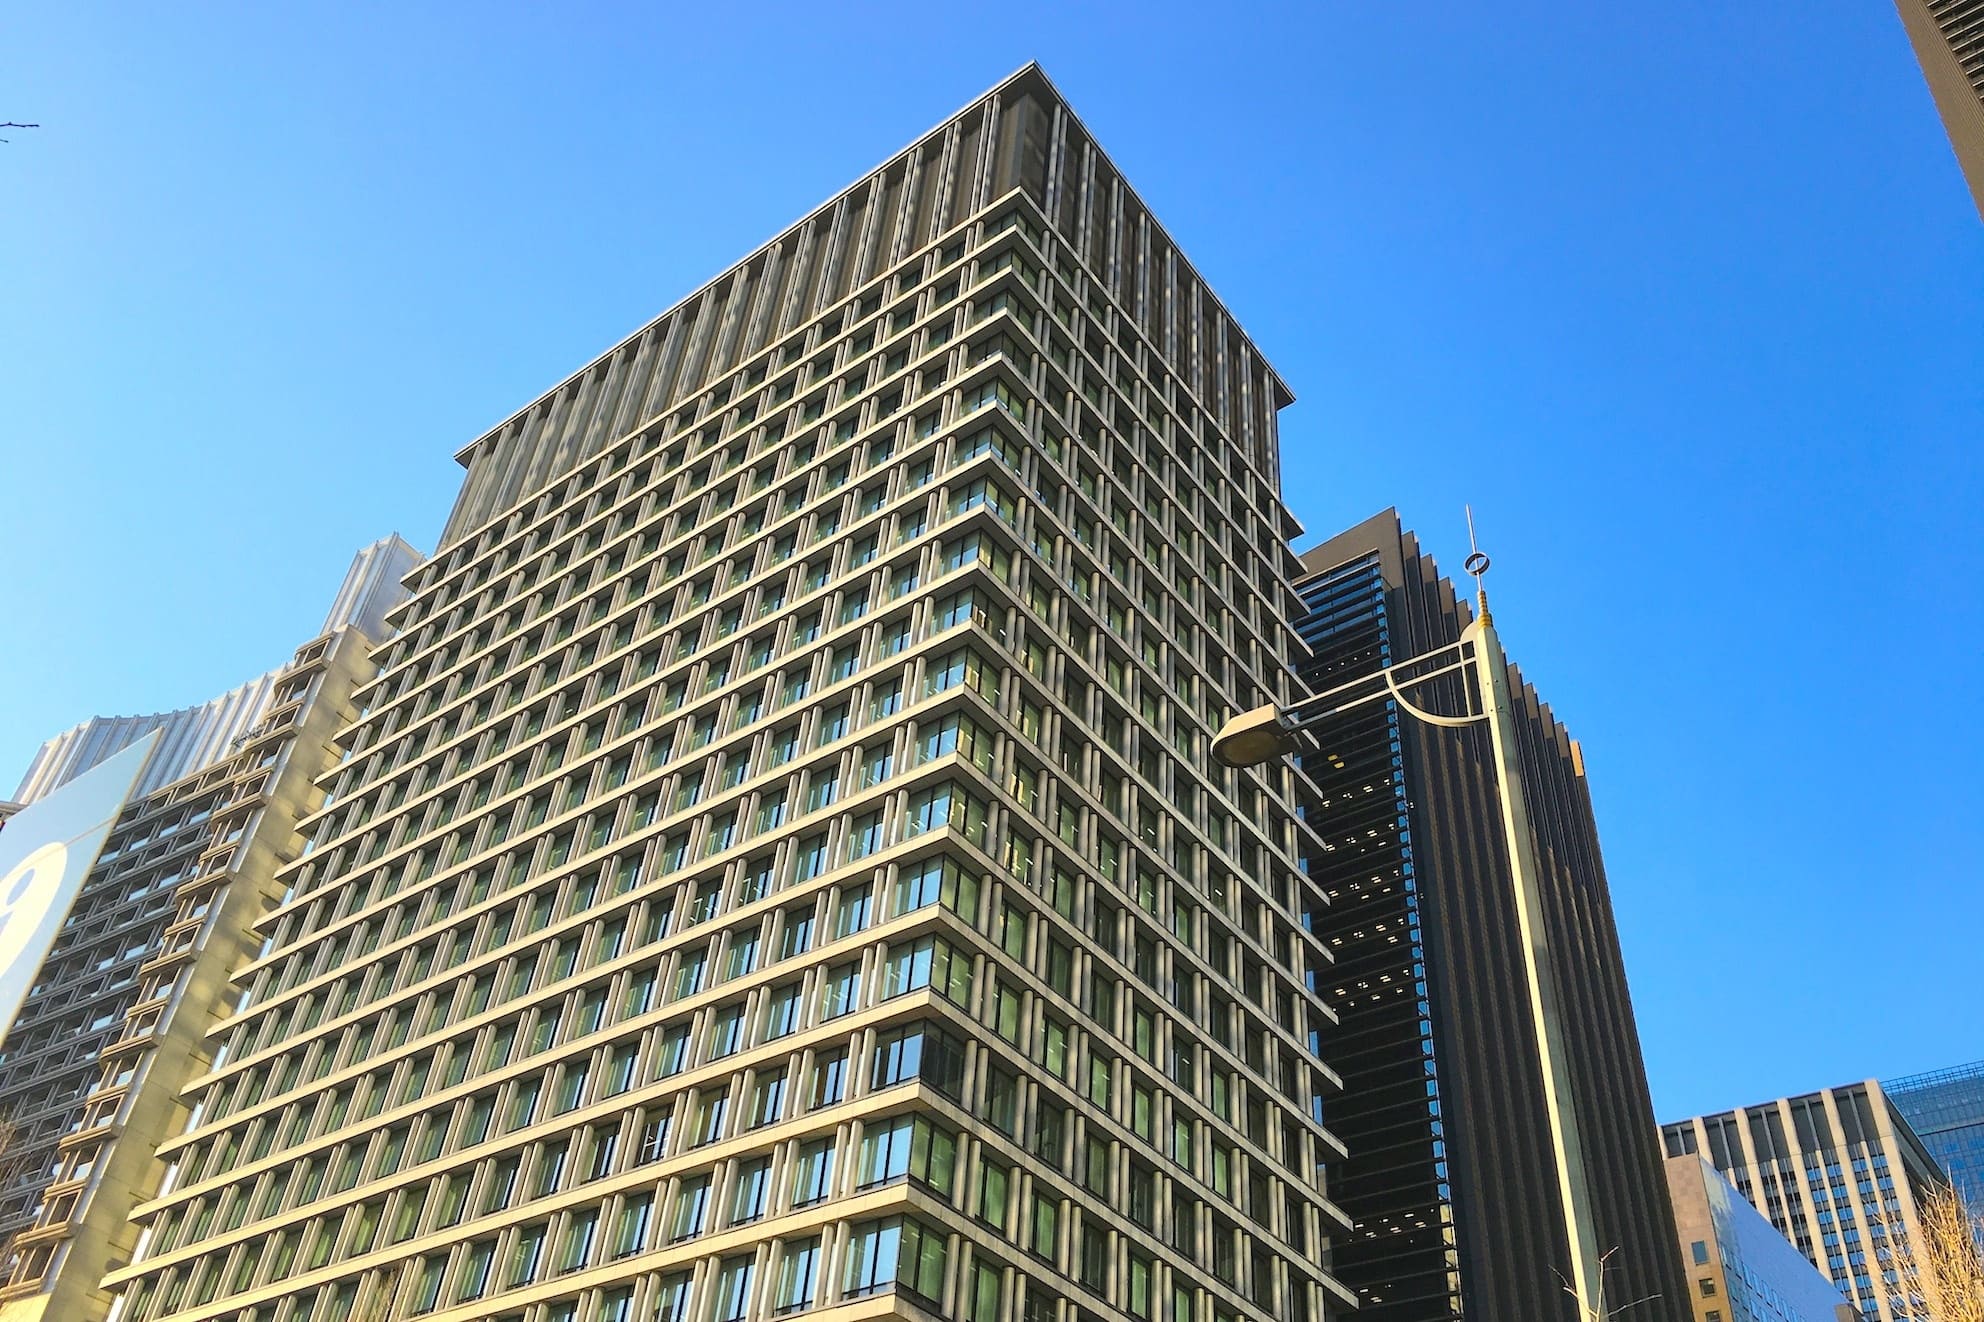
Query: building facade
[1945, 1108]
[1840, 1174]
[1740, 1269]
[1948, 36]
[1450, 1179]
[778, 867]
[115, 1023]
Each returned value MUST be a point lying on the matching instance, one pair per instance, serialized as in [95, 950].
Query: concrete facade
[778, 868]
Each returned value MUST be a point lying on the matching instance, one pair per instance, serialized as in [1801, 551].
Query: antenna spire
[1477, 565]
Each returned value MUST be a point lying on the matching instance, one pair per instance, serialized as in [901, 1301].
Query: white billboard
[46, 851]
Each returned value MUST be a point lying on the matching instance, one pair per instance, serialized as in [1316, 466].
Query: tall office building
[1948, 36]
[1840, 1174]
[1450, 1179]
[114, 1017]
[1739, 1268]
[779, 866]
[1945, 1108]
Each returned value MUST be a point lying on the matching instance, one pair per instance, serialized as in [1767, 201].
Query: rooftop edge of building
[1021, 135]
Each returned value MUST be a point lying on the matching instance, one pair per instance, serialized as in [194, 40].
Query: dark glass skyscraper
[1449, 1178]
[1945, 1108]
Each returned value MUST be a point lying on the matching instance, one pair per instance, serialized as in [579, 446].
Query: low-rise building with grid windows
[1842, 1176]
[778, 866]
[1740, 1268]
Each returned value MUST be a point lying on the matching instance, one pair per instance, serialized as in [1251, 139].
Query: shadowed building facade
[778, 867]
[1449, 1177]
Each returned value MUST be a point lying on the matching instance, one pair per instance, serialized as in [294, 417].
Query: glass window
[933, 881]
[692, 1204]
[797, 937]
[829, 1078]
[927, 962]
[579, 1240]
[798, 1273]
[768, 1098]
[994, 1182]
[900, 1252]
[727, 1034]
[427, 1286]
[672, 1298]
[839, 992]
[476, 1266]
[748, 1193]
[907, 1147]
[854, 910]
[527, 1255]
[733, 1288]
[813, 1172]
[1046, 1223]
[617, 1305]
[986, 1293]
[782, 1011]
[920, 1051]
[630, 1232]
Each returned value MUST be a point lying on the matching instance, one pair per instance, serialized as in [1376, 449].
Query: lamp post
[1267, 733]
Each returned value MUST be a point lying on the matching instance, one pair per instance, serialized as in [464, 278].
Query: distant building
[190, 738]
[199, 736]
[1740, 1269]
[1948, 36]
[114, 1022]
[1840, 1174]
[1946, 1109]
[1450, 1178]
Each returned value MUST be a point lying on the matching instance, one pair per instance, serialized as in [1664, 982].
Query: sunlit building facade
[778, 867]
[115, 1021]
[1948, 37]
[1740, 1269]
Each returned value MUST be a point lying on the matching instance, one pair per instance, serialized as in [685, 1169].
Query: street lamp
[1266, 733]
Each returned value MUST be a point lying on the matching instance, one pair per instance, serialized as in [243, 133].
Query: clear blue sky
[1685, 298]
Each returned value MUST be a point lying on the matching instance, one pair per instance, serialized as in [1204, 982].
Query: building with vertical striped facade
[196, 737]
[778, 868]
[1948, 37]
